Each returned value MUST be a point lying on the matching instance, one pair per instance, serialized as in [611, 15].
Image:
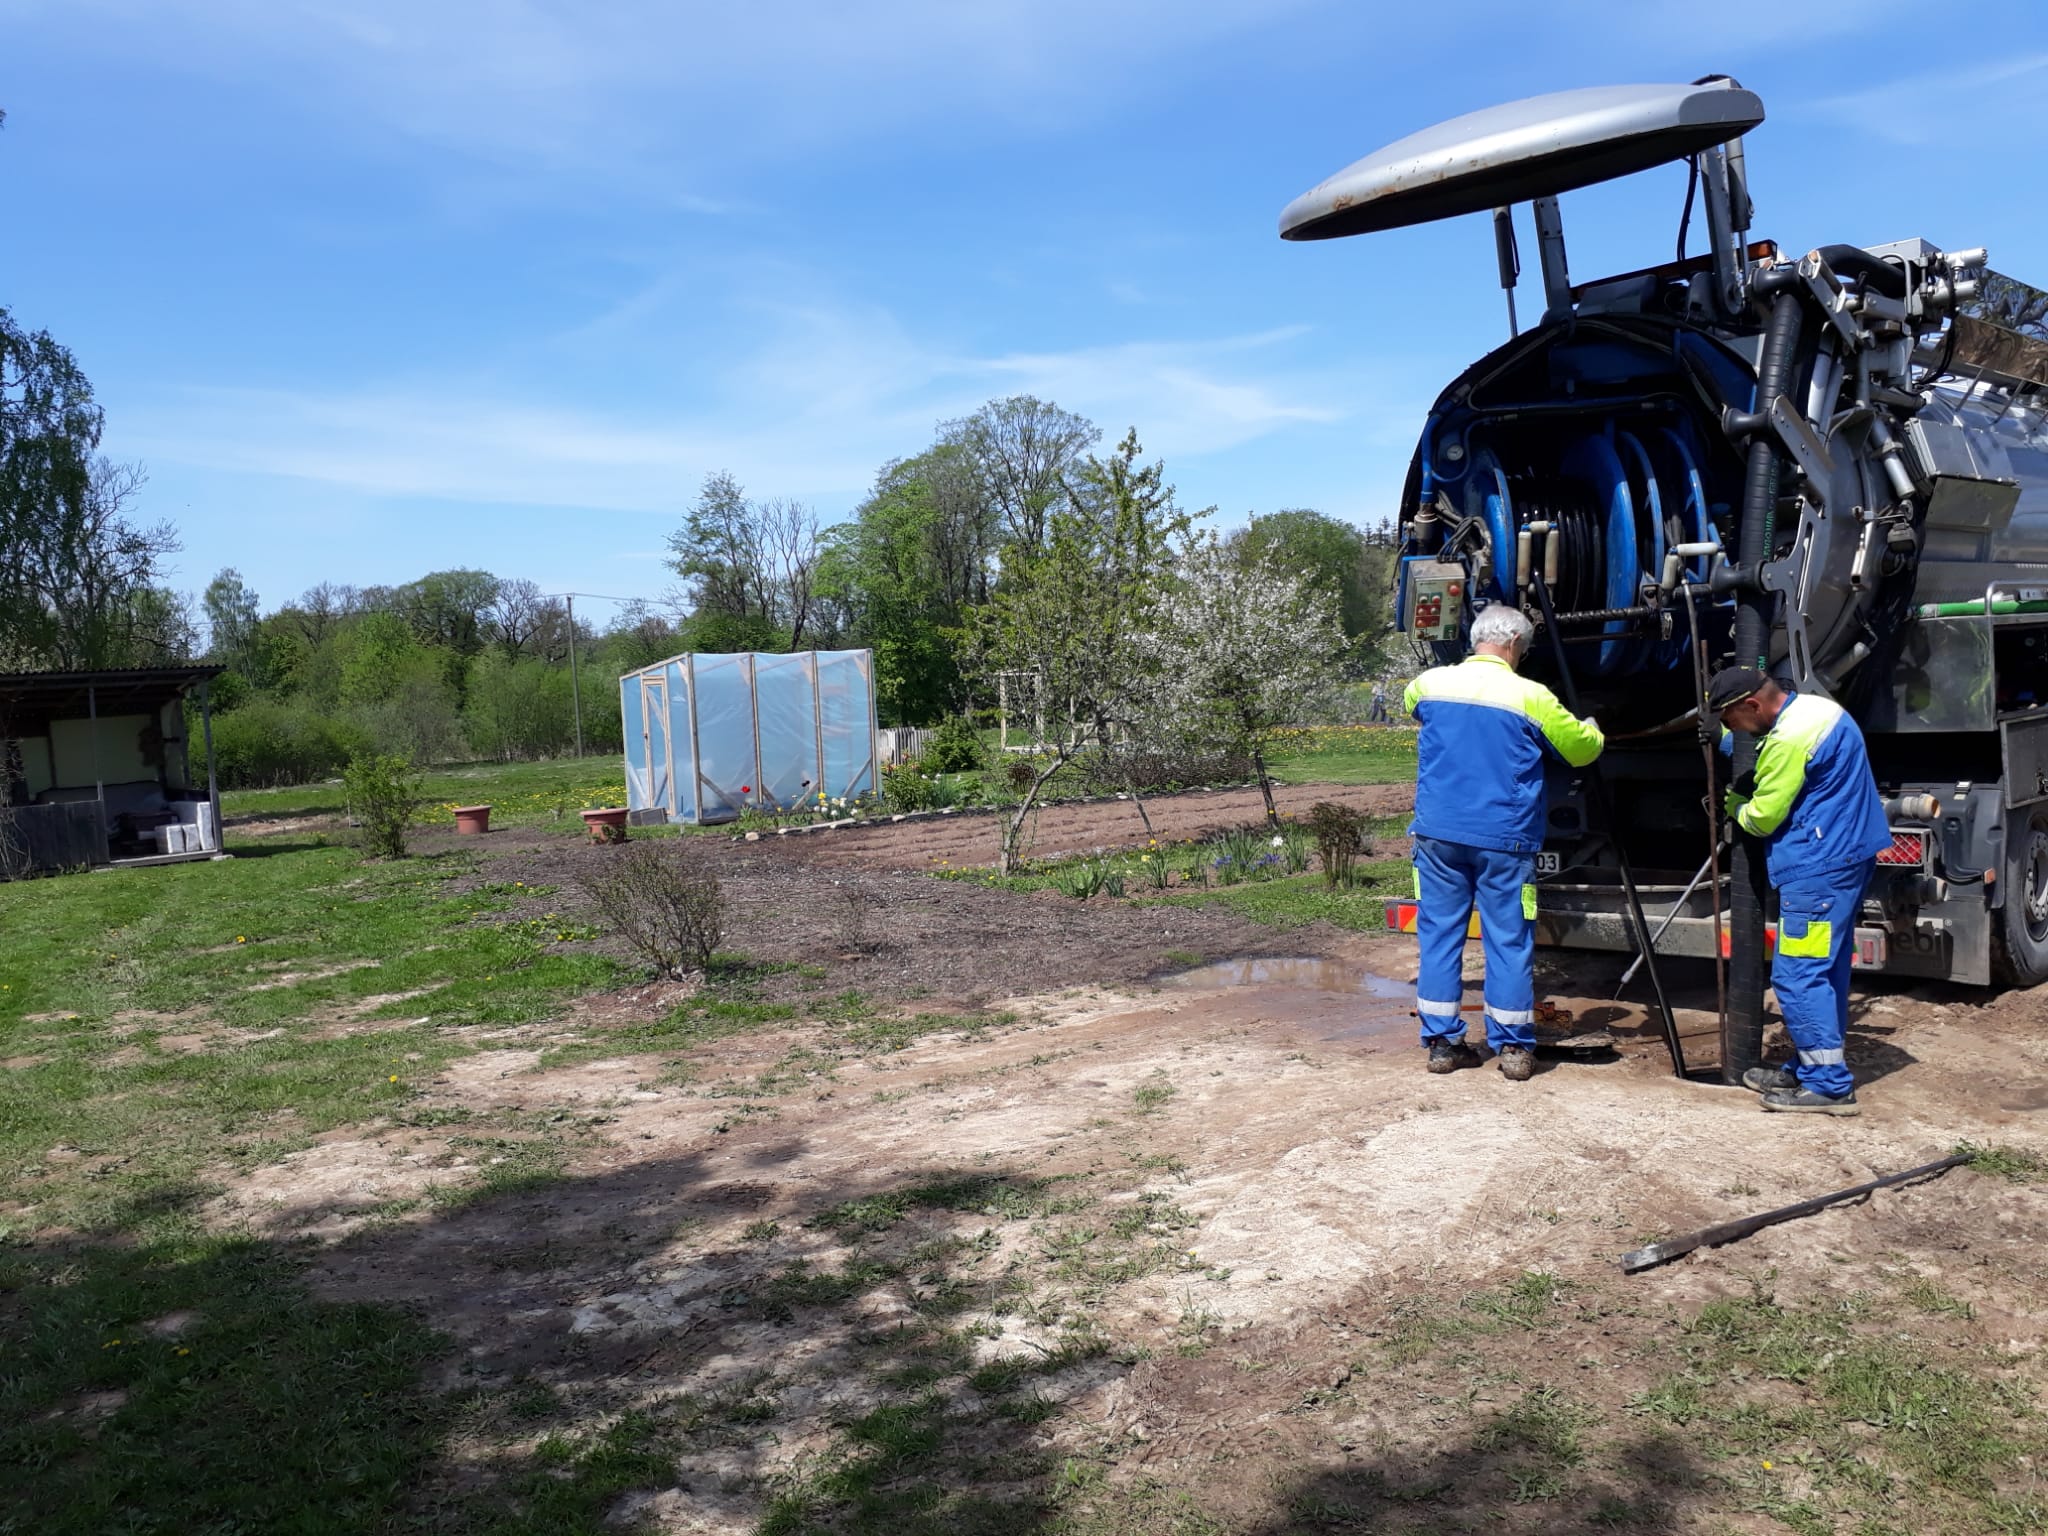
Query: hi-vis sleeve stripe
[1577, 741]
[1781, 759]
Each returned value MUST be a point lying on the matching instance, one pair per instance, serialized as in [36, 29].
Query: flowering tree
[1069, 615]
[1240, 647]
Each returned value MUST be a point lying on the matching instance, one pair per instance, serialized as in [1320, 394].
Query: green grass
[160, 1016]
[2015, 1165]
[1346, 754]
[1294, 900]
[270, 1411]
[520, 794]
[551, 793]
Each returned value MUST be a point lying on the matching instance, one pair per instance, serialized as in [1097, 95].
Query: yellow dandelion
[184, 1351]
[1767, 1464]
[241, 938]
[394, 1077]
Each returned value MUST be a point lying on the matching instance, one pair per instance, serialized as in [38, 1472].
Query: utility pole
[575, 690]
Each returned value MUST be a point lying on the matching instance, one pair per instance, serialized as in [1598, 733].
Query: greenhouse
[708, 737]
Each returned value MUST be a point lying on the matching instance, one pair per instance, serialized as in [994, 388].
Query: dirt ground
[1288, 1186]
[967, 839]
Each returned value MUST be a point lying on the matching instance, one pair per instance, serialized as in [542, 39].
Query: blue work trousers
[1450, 879]
[1816, 948]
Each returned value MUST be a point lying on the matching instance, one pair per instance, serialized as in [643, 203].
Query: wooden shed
[96, 770]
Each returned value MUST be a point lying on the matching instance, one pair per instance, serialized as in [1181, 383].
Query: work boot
[1766, 1079]
[1517, 1063]
[1804, 1101]
[1449, 1055]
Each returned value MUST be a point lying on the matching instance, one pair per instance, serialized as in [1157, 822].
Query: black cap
[1731, 685]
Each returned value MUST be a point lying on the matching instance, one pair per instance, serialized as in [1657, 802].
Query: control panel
[1435, 599]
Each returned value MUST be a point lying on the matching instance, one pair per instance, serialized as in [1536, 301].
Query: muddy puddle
[1293, 973]
[1327, 999]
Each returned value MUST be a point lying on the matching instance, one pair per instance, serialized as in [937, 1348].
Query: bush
[906, 789]
[268, 742]
[1339, 832]
[663, 901]
[382, 791]
[1158, 770]
[954, 746]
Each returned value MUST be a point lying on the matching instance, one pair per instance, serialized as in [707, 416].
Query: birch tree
[1240, 646]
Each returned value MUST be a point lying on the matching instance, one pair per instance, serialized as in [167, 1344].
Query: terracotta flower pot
[607, 825]
[472, 820]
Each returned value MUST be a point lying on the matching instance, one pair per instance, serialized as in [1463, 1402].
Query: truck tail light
[1908, 849]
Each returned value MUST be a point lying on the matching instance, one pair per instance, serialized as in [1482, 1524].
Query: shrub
[954, 746]
[1339, 832]
[1159, 770]
[382, 791]
[268, 742]
[664, 902]
[1083, 878]
[906, 788]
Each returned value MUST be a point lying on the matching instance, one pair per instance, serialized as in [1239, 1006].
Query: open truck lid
[1519, 152]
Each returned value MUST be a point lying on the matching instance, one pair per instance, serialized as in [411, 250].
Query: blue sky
[375, 287]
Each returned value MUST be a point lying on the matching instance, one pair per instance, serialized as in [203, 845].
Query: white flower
[1279, 841]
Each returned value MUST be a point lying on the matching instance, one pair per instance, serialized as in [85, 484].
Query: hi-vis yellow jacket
[1479, 762]
[1815, 803]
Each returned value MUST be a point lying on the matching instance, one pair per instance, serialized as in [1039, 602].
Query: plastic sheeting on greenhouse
[710, 736]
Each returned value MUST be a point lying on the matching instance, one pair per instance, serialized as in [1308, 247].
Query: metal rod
[1728, 1231]
[1607, 817]
[220, 837]
[1669, 918]
[696, 746]
[1707, 750]
[99, 783]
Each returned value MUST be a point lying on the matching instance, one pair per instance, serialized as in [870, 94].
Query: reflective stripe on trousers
[1450, 880]
[1816, 950]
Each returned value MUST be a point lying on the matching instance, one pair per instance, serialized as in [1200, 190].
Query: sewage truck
[1831, 463]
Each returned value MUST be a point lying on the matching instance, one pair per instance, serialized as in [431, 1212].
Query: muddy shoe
[1803, 1101]
[1770, 1079]
[1449, 1055]
[1517, 1064]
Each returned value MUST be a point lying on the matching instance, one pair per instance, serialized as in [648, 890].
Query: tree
[717, 552]
[49, 427]
[525, 621]
[1354, 565]
[84, 584]
[1241, 646]
[233, 612]
[900, 576]
[448, 608]
[751, 562]
[1024, 451]
[1069, 612]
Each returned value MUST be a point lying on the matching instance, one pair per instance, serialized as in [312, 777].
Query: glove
[1732, 804]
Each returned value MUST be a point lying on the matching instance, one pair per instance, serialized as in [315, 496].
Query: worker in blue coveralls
[1816, 809]
[1479, 816]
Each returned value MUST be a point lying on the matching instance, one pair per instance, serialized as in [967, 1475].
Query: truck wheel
[2021, 954]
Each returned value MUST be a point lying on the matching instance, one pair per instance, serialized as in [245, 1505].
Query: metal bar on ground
[1606, 807]
[1729, 1231]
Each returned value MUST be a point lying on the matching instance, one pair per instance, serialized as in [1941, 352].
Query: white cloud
[1936, 108]
[620, 89]
[812, 411]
